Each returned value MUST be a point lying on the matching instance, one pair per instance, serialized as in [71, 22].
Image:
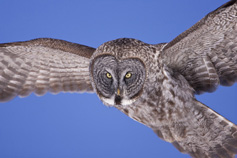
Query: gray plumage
[153, 84]
[43, 65]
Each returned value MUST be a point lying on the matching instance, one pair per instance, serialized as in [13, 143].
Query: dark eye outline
[128, 75]
[108, 75]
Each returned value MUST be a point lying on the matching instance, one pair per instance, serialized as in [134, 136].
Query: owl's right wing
[43, 65]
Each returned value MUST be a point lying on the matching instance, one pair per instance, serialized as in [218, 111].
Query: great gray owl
[153, 84]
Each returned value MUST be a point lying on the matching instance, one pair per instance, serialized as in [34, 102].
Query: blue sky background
[79, 125]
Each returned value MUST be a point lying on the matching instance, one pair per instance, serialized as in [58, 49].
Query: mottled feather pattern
[207, 134]
[169, 76]
[40, 69]
[171, 110]
[206, 53]
[201, 60]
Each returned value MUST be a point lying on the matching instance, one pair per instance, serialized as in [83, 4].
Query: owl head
[117, 72]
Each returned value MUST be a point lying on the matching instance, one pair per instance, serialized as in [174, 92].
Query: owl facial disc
[118, 82]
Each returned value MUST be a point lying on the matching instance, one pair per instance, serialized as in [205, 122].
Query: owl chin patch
[117, 101]
[108, 101]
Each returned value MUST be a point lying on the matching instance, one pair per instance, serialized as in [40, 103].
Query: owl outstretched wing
[43, 65]
[206, 54]
[202, 133]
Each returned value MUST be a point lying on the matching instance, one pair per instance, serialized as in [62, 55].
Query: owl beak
[118, 91]
[118, 97]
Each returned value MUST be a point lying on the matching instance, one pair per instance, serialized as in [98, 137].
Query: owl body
[157, 106]
[167, 103]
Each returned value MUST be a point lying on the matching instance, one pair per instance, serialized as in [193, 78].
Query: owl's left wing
[43, 65]
[206, 54]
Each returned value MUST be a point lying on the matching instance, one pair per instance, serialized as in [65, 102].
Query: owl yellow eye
[128, 75]
[108, 75]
